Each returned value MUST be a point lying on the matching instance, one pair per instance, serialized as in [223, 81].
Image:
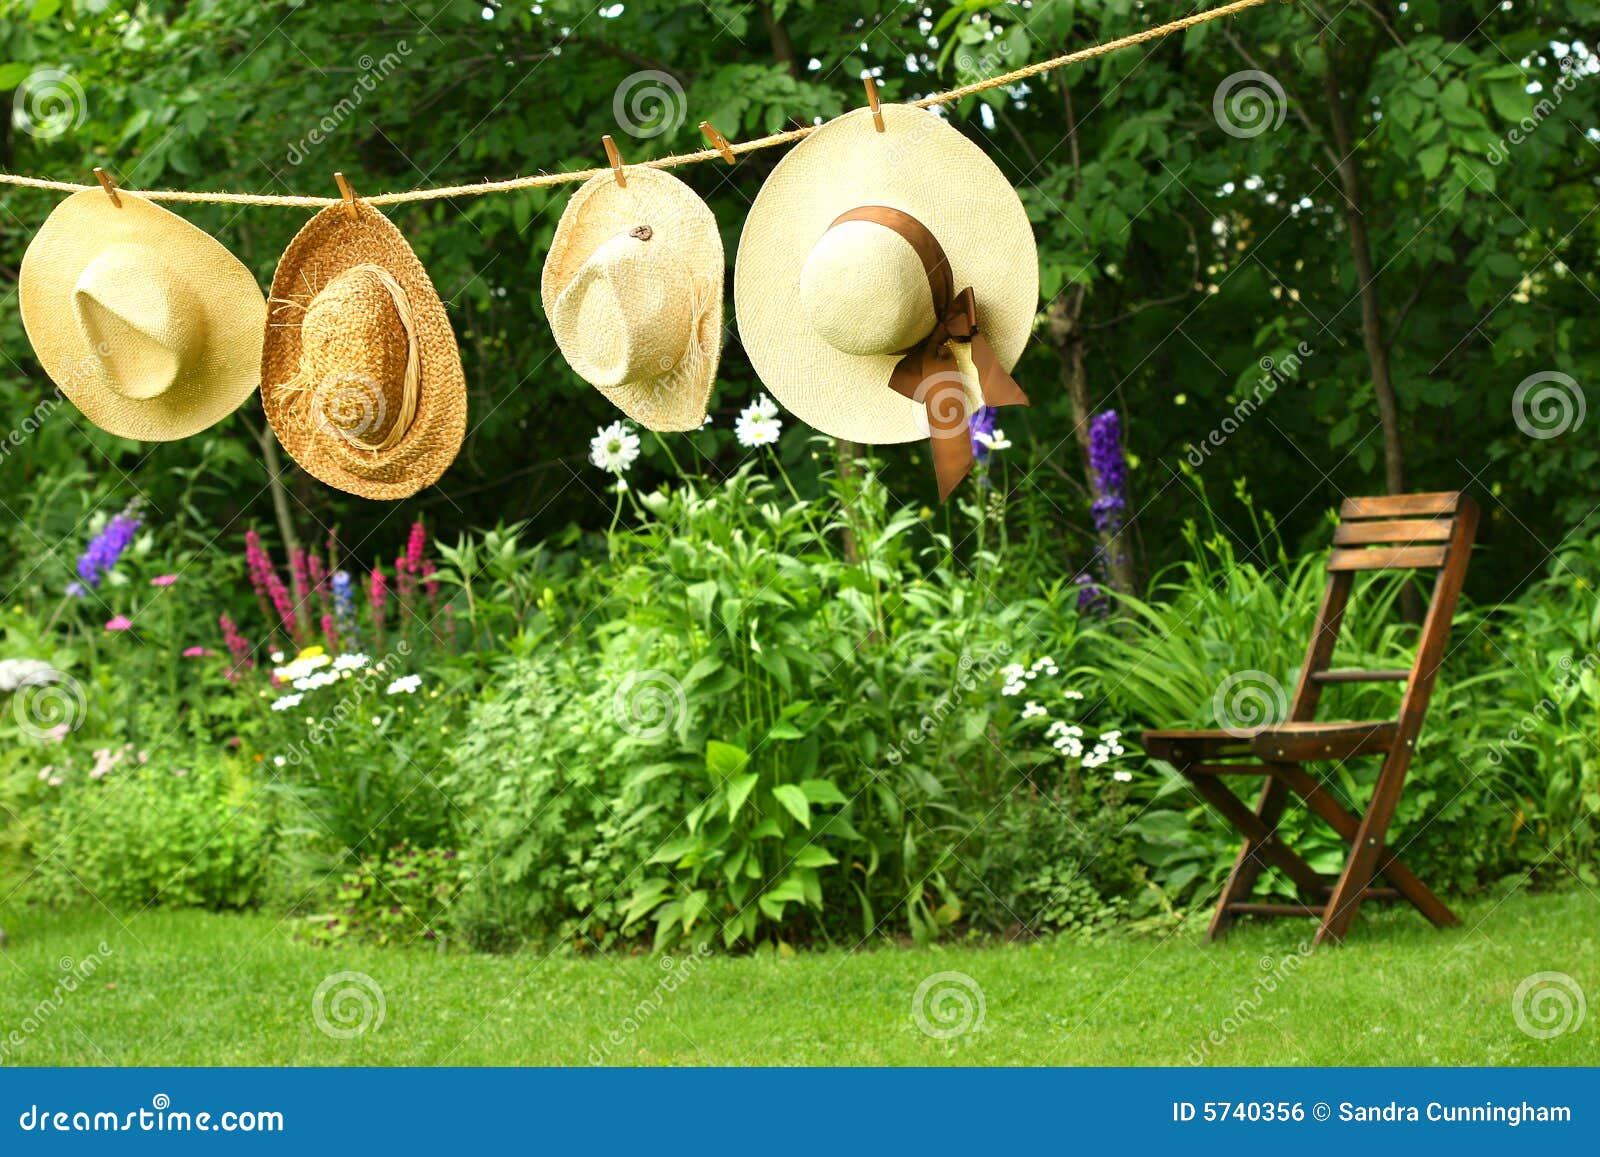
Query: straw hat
[147, 324]
[360, 376]
[633, 291]
[886, 283]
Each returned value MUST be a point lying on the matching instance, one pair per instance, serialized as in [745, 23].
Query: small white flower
[312, 682]
[994, 441]
[1011, 672]
[762, 407]
[621, 487]
[752, 430]
[1069, 746]
[352, 661]
[276, 656]
[1013, 689]
[614, 448]
[405, 685]
[1030, 709]
[1122, 776]
[1072, 694]
[279, 761]
[377, 720]
[284, 702]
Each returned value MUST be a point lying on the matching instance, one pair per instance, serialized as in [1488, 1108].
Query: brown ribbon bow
[928, 372]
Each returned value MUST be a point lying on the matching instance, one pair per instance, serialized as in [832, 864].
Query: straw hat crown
[148, 325]
[633, 291]
[360, 376]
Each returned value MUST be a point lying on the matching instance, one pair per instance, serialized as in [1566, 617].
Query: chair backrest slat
[1404, 531]
[1400, 505]
[1387, 557]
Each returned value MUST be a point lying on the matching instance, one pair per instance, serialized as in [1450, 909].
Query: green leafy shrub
[131, 832]
[403, 897]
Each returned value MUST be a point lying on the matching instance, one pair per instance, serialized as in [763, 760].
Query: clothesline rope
[546, 179]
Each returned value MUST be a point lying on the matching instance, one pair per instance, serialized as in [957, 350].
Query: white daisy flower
[762, 407]
[753, 430]
[405, 685]
[614, 448]
[1030, 710]
[284, 702]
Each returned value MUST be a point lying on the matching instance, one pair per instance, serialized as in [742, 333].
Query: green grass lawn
[194, 988]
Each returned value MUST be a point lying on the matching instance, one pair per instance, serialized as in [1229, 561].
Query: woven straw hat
[633, 291]
[360, 376]
[835, 282]
[147, 324]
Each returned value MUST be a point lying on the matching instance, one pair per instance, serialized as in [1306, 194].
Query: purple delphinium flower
[105, 549]
[982, 422]
[1110, 472]
[1090, 596]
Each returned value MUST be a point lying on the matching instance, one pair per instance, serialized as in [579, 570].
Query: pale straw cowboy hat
[633, 290]
[360, 377]
[886, 283]
[147, 324]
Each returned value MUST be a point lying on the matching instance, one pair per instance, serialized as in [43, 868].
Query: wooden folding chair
[1408, 531]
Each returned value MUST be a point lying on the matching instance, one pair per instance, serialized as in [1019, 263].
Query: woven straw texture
[352, 314]
[625, 317]
[147, 324]
[923, 167]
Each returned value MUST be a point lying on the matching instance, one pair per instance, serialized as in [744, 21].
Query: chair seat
[1285, 742]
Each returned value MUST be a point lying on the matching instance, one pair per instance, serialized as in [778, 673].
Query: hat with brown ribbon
[146, 323]
[886, 283]
[360, 377]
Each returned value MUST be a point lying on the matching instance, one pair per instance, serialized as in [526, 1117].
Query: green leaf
[739, 789]
[794, 802]
[724, 760]
[1431, 160]
[822, 791]
[812, 856]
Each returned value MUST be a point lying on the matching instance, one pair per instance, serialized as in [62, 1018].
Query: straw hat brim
[921, 166]
[330, 243]
[214, 382]
[600, 210]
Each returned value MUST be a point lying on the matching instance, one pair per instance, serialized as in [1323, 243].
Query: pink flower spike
[163, 580]
[120, 623]
[195, 652]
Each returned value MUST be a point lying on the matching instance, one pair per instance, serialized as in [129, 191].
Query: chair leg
[1261, 846]
[1348, 824]
[1365, 849]
[1247, 865]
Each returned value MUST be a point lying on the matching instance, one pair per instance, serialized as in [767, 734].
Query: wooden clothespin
[718, 141]
[107, 184]
[348, 194]
[616, 160]
[872, 101]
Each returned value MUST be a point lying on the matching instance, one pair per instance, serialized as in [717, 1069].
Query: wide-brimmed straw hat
[146, 323]
[360, 377]
[886, 283]
[633, 290]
